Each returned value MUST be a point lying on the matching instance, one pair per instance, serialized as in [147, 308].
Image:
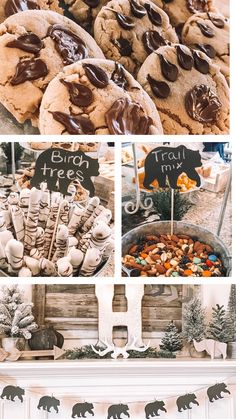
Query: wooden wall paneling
[38, 298]
[75, 308]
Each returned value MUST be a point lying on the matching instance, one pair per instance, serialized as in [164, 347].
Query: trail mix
[173, 255]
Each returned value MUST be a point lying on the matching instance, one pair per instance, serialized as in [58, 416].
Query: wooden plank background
[75, 307]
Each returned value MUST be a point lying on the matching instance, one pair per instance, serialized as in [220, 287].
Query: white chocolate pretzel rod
[50, 226]
[44, 208]
[62, 243]
[17, 216]
[32, 219]
[42, 234]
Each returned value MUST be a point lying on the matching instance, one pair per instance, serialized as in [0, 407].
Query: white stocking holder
[108, 319]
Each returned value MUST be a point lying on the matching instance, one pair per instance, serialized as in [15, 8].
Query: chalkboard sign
[59, 167]
[165, 164]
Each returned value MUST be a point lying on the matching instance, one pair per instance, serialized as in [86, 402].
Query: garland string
[127, 402]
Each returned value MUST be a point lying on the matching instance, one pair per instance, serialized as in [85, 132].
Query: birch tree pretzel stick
[54, 231]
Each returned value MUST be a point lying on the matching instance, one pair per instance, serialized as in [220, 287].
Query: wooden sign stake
[172, 211]
[16, 354]
[13, 162]
[55, 230]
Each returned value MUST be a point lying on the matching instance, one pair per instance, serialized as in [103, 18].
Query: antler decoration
[120, 351]
[131, 207]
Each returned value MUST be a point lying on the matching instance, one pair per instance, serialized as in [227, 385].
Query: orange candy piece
[206, 273]
[144, 255]
[188, 272]
[167, 265]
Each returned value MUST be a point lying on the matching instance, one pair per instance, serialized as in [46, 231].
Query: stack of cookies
[119, 67]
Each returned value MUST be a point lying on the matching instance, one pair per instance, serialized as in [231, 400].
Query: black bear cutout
[58, 168]
[116, 410]
[184, 402]
[152, 409]
[80, 410]
[166, 164]
[47, 402]
[214, 392]
[10, 392]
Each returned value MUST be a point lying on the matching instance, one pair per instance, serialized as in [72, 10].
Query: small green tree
[232, 312]
[219, 328]
[194, 326]
[162, 203]
[16, 319]
[171, 341]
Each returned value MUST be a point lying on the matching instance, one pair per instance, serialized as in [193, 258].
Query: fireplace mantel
[120, 378]
[133, 382]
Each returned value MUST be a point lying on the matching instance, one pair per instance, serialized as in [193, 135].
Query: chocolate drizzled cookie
[34, 46]
[97, 97]
[11, 7]
[209, 32]
[85, 11]
[189, 91]
[128, 31]
[181, 10]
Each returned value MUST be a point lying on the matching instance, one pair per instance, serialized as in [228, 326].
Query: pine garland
[86, 352]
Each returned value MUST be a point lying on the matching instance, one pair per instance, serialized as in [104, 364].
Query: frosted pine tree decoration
[16, 319]
[219, 328]
[171, 341]
[194, 325]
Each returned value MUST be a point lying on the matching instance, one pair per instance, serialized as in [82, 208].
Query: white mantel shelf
[115, 381]
[120, 378]
[184, 366]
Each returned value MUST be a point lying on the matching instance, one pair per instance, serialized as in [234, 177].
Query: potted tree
[16, 319]
[232, 320]
[194, 325]
[171, 341]
[7, 149]
[219, 328]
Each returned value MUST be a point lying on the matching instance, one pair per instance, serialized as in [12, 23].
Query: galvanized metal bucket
[194, 231]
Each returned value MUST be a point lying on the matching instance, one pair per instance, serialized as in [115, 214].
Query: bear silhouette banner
[58, 168]
[13, 392]
[215, 392]
[51, 404]
[184, 402]
[166, 164]
[48, 402]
